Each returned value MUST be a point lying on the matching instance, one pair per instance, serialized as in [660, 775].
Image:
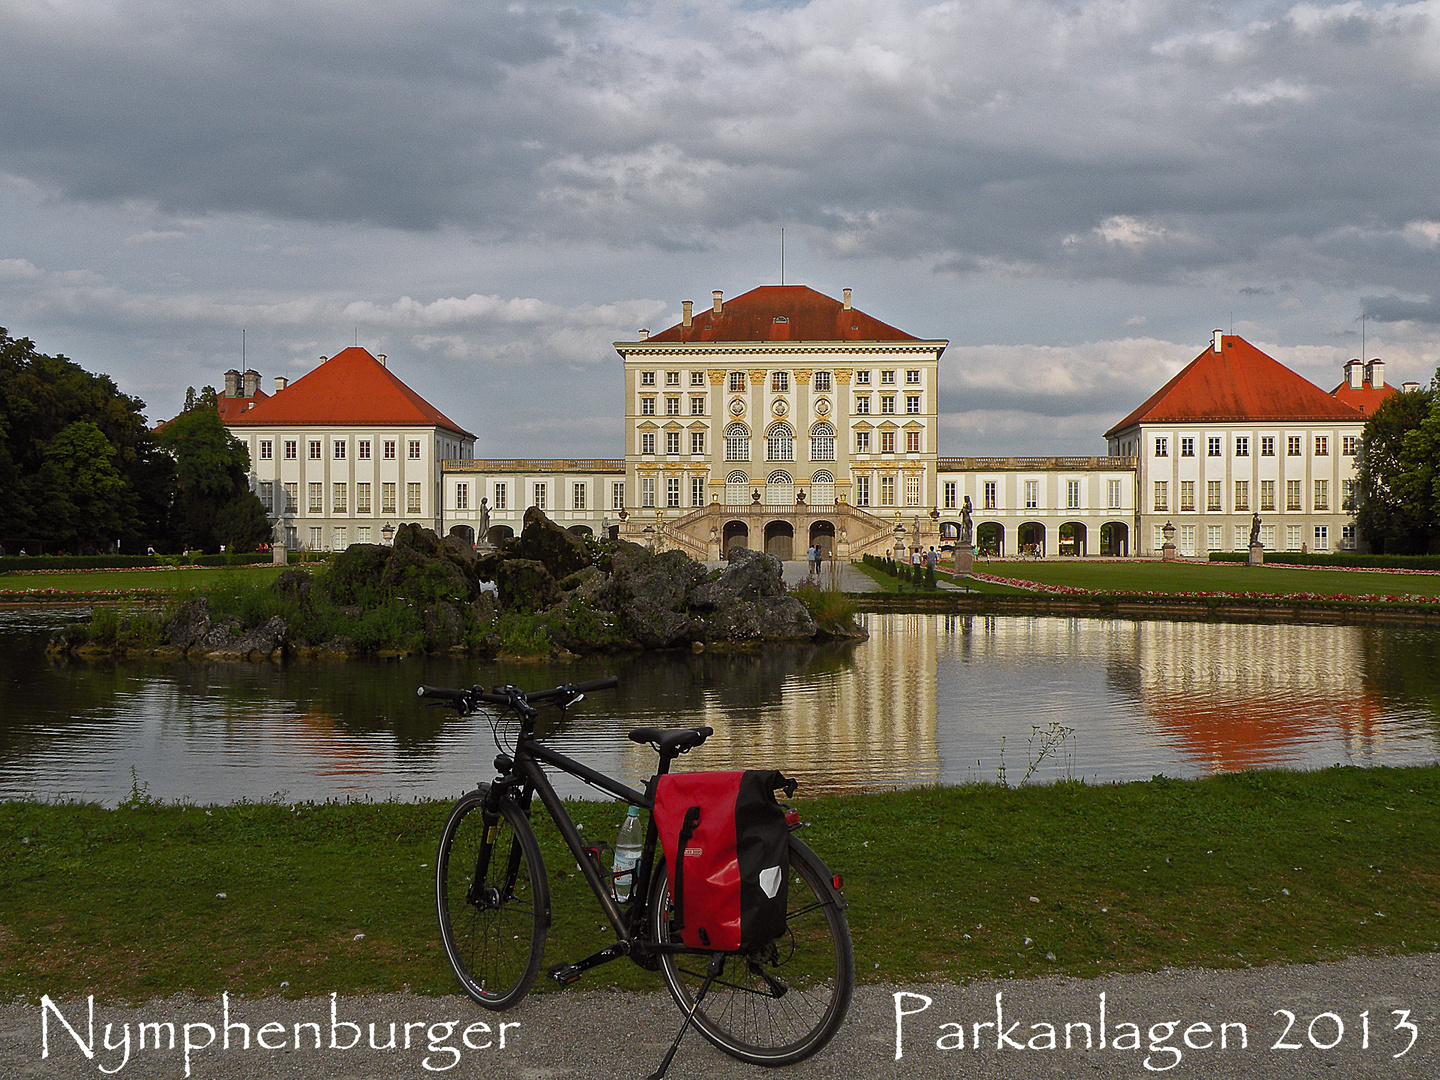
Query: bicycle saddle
[670, 743]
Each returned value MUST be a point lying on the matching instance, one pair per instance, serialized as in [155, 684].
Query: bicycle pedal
[565, 974]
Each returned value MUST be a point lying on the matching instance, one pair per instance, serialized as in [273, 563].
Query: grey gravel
[598, 1035]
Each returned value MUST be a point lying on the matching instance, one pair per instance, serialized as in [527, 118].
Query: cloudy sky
[1073, 193]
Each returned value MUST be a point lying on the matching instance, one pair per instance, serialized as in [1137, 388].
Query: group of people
[815, 555]
[926, 559]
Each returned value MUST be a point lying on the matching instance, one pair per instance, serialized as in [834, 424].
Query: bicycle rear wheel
[493, 900]
[778, 1004]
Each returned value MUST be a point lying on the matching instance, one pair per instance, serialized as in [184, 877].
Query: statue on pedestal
[967, 524]
[483, 528]
[1255, 530]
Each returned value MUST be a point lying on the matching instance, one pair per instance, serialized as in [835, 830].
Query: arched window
[780, 442]
[822, 442]
[737, 489]
[737, 442]
[822, 489]
[779, 489]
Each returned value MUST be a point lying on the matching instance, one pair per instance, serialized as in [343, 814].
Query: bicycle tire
[813, 963]
[495, 943]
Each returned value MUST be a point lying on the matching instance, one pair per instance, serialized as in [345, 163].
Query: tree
[85, 499]
[1399, 509]
[213, 503]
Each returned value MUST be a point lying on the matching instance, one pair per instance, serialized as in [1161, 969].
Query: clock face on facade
[737, 406]
[780, 408]
[822, 406]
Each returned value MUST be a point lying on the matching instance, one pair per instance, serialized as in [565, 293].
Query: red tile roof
[1366, 398]
[231, 407]
[350, 388]
[782, 313]
[1238, 383]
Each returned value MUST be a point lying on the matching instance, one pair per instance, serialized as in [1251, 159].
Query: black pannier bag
[727, 852]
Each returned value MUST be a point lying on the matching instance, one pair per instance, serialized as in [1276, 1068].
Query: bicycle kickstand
[717, 961]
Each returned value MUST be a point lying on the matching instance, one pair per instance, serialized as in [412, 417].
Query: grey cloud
[1396, 309]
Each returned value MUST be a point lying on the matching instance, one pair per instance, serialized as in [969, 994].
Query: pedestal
[278, 555]
[964, 558]
[1167, 553]
[1257, 555]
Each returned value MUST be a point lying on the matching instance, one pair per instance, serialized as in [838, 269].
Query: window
[317, 537]
[862, 404]
[289, 449]
[647, 442]
[292, 499]
[912, 491]
[389, 449]
[887, 491]
[949, 494]
[577, 495]
[822, 489]
[737, 443]
[338, 448]
[912, 377]
[617, 495]
[412, 498]
[1348, 445]
[1322, 445]
[1292, 494]
[1212, 446]
[267, 450]
[822, 382]
[538, 491]
[502, 495]
[912, 404]
[737, 382]
[1267, 494]
[647, 492]
[862, 378]
[1322, 495]
[1187, 539]
[887, 378]
[314, 449]
[672, 442]
[672, 405]
[1242, 446]
[647, 378]
[362, 449]
[1242, 537]
[822, 442]
[697, 406]
[1159, 537]
[1267, 445]
[1187, 447]
[697, 378]
[697, 491]
[1072, 494]
[887, 404]
[462, 496]
[387, 498]
[697, 442]
[1347, 537]
[362, 498]
[414, 452]
[672, 378]
[1292, 446]
[647, 406]
[779, 382]
[1114, 494]
[672, 491]
[316, 493]
[1162, 447]
[1214, 537]
[780, 443]
[912, 442]
[1267, 537]
[267, 495]
[1212, 495]
[1322, 538]
[339, 496]
[862, 442]
[862, 490]
[887, 442]
[1162, 496]
[990, 489]
[1292, 537]
[1348, 490]
[1187, 496]
[362, 534]
[1242, 495]
[1032, 494]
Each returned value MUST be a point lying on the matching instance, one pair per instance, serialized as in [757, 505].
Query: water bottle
[627, 854]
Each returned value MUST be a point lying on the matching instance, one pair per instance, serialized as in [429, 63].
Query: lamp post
[1167, 550]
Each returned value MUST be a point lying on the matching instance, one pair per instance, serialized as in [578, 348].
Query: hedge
[1374, 562]
[12, 563]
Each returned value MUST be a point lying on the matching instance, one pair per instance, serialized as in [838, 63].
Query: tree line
[82, 471]
[1399, 474]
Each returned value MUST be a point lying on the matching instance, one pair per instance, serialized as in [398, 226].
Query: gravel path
[1185, 1023]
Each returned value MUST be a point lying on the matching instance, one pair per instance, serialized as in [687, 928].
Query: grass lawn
[197, 577]
[894, 586]
[1155, 576]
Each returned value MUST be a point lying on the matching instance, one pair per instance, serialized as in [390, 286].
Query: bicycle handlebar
[466, 700]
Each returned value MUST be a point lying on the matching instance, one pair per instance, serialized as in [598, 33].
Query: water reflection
[926, 699]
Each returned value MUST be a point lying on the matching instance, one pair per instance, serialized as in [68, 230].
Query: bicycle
[773, 1004]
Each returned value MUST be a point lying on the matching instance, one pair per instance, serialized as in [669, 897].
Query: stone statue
[1255, 530]
[967, 524]
[484, 526]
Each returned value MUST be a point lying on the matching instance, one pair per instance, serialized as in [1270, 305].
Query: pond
[929, 698]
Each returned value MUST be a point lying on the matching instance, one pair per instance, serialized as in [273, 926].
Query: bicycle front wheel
[780, 1003]
[493, 900]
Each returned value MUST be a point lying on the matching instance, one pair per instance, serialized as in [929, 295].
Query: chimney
[1216, 339]
[1410, 387]
[688, 307]
[847, 300]
[232, 383]
[252, 382]
[280, 383]
[324, 358]
[719, 298]
[644, 333]
[1375, 373]
[381, 358]
[1355, 374]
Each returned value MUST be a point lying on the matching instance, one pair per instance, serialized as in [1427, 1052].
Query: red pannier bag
[727, 854]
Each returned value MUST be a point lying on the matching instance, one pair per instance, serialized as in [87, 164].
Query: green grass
[894, 586]
[184, 578]
[1154, 576]
[955, 883]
